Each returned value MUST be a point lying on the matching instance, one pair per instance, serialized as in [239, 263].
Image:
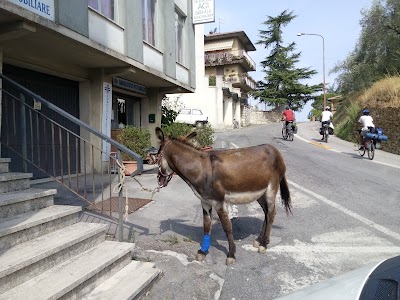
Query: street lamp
[323, 60]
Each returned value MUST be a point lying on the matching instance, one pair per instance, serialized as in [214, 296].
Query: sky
[338, 21]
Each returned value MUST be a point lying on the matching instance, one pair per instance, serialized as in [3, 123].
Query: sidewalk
[309, 132]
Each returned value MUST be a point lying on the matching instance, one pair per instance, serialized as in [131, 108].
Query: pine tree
[282, 82]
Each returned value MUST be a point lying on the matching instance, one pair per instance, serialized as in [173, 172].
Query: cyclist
[367, 123]
[288, 116]
[326, 118]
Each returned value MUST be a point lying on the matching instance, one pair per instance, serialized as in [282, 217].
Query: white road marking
[337, 151]
[350, 213]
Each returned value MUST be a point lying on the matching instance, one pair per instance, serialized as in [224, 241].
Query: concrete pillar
[91, 108]
[228, 111]
[219, 104]
[152, 105]
[236, 114]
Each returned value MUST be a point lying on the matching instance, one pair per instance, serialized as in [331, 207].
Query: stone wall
[389, 120]
[264, 117]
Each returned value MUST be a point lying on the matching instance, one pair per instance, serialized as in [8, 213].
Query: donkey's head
[165, 170]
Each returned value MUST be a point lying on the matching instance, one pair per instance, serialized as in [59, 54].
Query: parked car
[192, 116]
[371, 282]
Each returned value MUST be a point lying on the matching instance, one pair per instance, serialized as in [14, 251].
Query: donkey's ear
[191, 135]
[160, 134]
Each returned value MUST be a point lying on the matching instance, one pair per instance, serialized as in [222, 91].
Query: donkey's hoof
[230, 261]
[262, 249]
[200, 256]
[256, 244]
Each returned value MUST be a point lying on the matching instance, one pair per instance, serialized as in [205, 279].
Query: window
[197, 112]
[105, 7]
[148, 21]
[179, 23]
[185, 111]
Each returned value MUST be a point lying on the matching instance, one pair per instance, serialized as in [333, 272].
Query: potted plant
[136, 139]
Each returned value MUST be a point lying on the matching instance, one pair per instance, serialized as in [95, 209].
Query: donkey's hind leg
[267, 203]
[227, 226]
[207, 224]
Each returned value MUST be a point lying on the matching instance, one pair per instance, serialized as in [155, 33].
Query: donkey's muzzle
[163, 180]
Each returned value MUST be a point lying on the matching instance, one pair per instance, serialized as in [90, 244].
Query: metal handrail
[34, 118]
[75, 120]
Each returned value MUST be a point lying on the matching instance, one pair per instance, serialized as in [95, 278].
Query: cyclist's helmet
[366, 112]
[327, 108]
[287, 107]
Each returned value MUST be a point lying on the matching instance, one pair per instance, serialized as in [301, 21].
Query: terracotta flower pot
[130, 167]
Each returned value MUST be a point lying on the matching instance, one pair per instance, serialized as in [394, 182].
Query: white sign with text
[203, 11]
[106, 119]
[44, 8]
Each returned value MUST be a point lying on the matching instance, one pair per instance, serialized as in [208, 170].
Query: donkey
[217, 177]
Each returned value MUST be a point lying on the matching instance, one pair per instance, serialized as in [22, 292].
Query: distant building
[223, 82]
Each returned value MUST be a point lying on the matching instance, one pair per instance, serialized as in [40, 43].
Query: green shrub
[205, 133]
[346, 129]
[134, 138]
[176, 130]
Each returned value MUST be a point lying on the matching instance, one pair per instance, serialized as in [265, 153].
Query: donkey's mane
[185, 141]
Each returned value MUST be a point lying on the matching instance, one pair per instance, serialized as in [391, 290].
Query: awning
[218, 45]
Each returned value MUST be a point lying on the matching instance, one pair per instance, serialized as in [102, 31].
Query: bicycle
[325, 132]
[287, 131]
[369, 146]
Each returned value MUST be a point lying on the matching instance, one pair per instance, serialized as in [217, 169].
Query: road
[345, 215]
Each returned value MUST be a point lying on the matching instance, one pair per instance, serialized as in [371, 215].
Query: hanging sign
[203, 11]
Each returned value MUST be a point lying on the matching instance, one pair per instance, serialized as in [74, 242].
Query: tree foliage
[282, 81]
[377, 52]
[170, 107]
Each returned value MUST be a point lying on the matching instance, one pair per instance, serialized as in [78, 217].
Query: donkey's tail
[285, 195]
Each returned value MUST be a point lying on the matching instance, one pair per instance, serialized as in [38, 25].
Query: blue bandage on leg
[206, 243]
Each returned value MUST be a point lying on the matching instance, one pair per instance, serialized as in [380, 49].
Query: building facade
[107, 62]
[223, 82]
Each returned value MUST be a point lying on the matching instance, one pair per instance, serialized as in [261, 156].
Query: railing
[229, 57]
[49, 148]
[241, 78]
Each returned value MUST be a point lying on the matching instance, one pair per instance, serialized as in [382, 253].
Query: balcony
[228, 58]
[242, 81]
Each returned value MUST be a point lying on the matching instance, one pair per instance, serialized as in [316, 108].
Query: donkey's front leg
[207, 224]
[227, 226]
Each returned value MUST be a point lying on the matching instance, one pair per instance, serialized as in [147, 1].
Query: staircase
[45, 253]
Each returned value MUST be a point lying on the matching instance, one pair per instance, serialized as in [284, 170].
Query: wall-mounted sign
[203, 11]
[44, 8]
[129, 85]
[106, 118]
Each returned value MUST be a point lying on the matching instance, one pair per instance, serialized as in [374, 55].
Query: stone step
[21, 228]
[33, 257]
[129, 283]
[4, 163]
[76, 276]
[10, 182]
[19, 202]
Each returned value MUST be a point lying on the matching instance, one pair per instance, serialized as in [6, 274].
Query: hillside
[383, 100]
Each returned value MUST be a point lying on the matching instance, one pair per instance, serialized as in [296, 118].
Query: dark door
[38, 134]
